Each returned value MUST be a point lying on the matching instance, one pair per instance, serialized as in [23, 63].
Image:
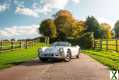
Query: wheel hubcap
[68, 57]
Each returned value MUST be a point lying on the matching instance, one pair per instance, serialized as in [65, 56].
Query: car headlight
[61, 50]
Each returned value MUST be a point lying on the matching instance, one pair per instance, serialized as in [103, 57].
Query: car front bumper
[52, 57]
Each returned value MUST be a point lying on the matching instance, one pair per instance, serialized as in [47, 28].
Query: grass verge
[110, 59]
[10, 58]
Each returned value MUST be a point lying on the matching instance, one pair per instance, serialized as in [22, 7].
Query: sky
[20, 19]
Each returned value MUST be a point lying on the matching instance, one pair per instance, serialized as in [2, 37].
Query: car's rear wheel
[78, 55]
[68, 56]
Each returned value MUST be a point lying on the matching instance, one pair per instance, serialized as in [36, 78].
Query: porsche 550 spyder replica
[59, 50]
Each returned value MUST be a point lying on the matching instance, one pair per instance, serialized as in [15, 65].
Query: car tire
[78, 54]
[68, 56]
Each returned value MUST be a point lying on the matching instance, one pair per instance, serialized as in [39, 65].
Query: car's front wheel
[68, 57]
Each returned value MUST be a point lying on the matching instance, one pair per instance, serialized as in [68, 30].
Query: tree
[47, 28]
[63, 13]
[64, 22]
[106, 30]
[116, 29]
[79, 28]
[67, 25]
[93, 26]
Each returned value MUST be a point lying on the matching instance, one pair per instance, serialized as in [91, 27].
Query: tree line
[63, 25]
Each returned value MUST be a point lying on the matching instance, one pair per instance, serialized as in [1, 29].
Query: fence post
[1, 45]
[26, 44]
[100, 43]
[12, 44]
[32, 43]
[106, 44]
[94, 44]
[20, 44]
[116, 45]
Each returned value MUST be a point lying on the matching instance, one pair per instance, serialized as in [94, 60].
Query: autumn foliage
[63, 26]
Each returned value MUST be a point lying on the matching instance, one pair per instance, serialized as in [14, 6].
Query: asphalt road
[84, 68]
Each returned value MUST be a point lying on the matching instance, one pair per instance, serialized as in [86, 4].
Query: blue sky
[21, 18]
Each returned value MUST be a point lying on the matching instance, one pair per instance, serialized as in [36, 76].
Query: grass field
[110, 59]
[18, 56]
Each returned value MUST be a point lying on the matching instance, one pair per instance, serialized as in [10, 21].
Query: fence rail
[107, 44]
[11, 45]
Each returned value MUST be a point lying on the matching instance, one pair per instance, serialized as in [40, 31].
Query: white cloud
[76, 1]
[20, 9]
[26, 11]
[4, 7]
[19, 3]
[18, 31]
[50, 5]
[44, 8]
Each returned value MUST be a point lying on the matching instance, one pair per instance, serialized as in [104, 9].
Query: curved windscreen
[61, 44]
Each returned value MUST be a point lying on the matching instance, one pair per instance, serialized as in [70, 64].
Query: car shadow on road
[37, 62]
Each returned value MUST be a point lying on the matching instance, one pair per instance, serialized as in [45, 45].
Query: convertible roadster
[59, 50]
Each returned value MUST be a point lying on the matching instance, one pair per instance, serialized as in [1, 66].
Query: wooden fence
[107, 44]
[12, 44]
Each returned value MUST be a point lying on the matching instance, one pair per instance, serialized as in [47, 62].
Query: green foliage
[67, 25]
[86, 40]
[78, 29]
[109, 59]
[93, 26]
[64, 25]
[116, 29]
[106, 31]
[64, 22]
[48, 28]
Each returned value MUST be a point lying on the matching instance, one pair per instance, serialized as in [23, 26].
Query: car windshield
[61, 44]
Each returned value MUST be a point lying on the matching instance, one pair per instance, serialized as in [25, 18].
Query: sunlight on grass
[18, 56]
[110, 59]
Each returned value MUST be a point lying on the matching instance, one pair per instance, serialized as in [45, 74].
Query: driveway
[84, 68]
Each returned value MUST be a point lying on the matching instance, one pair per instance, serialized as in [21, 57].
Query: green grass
[20, 55]
[110, 59]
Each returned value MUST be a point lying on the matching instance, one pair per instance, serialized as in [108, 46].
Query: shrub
[86, 40]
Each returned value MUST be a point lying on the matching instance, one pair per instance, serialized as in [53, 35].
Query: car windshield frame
[61, 44]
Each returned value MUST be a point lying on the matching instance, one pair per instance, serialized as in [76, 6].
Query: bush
[86, 40]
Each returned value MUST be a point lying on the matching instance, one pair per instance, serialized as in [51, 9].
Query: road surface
[84, 68]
